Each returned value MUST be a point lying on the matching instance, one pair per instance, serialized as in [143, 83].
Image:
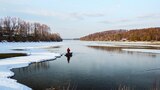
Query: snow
[120, 44]
[126, 45]
[36, 54]
[143, 50]
[10, 84]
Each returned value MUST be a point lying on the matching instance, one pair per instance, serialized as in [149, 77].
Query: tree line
[16, 29]
[146, 34]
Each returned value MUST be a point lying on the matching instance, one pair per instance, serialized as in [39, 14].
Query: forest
[18, 30]
[145, 34]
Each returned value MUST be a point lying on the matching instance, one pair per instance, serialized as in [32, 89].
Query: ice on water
[36, 54]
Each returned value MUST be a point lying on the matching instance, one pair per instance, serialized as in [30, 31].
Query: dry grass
[8, 55]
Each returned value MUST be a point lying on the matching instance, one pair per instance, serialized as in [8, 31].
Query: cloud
[106, 22]
[15, 1]
[134, 19]
[38, 12]
[85, 15]
[149, 16]
[124, 20]
[74, 16]
[116, 21]
[46, 13]
[61, 15]
[93, 14]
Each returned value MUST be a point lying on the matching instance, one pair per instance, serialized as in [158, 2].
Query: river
[93, 68]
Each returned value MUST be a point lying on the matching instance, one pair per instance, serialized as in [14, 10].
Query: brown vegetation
[15, 29]
[8, 55]
[147, 34]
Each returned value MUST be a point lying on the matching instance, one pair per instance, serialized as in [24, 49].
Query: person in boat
[68, 50]
[68, 54]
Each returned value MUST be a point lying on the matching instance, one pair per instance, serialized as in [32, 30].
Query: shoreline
[6, 65]
[11, 55]
[151, 42]
[122, 44]
[145, 47]
[35, 53]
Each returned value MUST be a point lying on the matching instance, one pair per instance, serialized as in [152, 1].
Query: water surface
[93, 68]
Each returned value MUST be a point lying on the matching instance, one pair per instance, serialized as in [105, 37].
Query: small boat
[68, 54]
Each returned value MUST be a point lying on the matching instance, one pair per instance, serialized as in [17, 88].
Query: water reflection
[109, 49]
[53, 48]
[75, 86]
[119, 50]
[68, 55]
[34, 67]
[156, 85]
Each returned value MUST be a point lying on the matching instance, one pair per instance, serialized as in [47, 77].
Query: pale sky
[77, 18]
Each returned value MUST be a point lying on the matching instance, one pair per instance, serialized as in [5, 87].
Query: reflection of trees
[119, 50]
[53, 48]
[156, 85]
[119, 87]
[41, 65]
[109, 49]
[124, 87]
[34, 67]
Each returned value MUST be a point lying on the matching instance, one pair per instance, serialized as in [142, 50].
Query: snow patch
[35, 55]
[17, 62]
[119, 44]
[143, 50]
[10, 84]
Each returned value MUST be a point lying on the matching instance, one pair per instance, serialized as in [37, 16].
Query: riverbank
[123, 44]
[146, 47]
[34, 52]
[6, 65]
[9, 55]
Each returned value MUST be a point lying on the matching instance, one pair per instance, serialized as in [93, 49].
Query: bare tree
[15, 29]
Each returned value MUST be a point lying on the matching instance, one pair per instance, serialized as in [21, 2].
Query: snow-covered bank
[143, 50]
[35, 55]
[144, 47]
[28, 45]
[10, 84]
[121, 44]
[17, 62]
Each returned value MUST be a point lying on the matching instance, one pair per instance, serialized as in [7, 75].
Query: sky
[77, 18]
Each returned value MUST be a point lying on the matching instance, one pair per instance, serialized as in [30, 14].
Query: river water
[93, 68]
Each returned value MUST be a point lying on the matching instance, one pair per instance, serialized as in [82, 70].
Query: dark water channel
[94, 68]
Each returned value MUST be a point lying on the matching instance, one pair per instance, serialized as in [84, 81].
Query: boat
[68, 54]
